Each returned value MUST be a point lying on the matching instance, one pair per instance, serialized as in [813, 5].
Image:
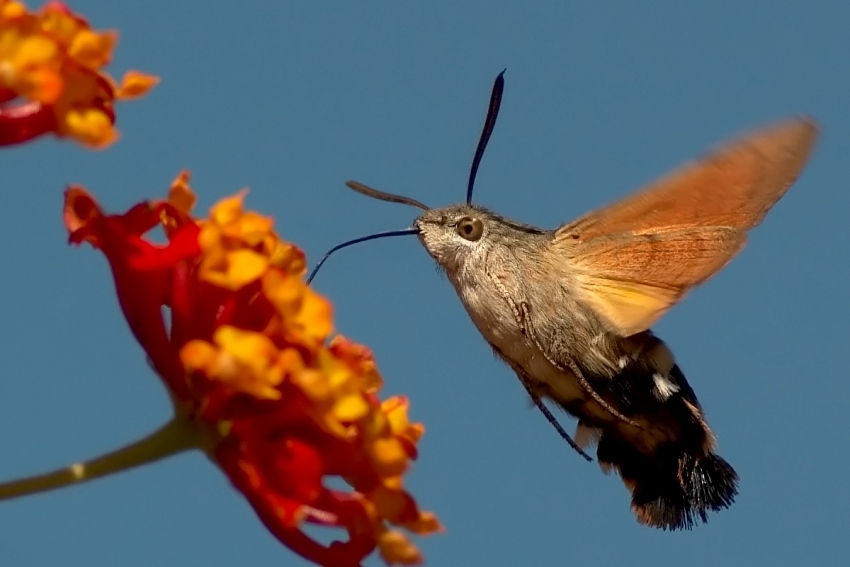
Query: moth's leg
[526, 381]
[571, 367]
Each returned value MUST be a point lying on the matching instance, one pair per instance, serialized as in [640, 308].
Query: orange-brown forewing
[636, 258]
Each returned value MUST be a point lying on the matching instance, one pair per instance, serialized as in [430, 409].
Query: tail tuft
[711, 483]
[671, 490]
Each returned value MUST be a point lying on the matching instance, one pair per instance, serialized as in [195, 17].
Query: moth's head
[459, 234]
[453, 234]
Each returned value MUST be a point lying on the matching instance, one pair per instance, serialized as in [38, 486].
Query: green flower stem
[176, 436]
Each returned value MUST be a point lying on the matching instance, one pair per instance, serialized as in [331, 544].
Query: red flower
[246, 359]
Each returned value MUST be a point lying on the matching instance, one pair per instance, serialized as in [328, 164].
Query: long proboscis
[384, 196]
[402, 232]
[381, 196]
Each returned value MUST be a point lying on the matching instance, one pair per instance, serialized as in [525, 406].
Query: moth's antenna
[375, 236]
[382, 196]
[489, 123]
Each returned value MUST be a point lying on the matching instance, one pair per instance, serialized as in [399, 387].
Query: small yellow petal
[245, 266]
[248, 347]
[283, 290]
[91, 49]
[254, 228]
[35, 50]
[12, 10]
[209, 238]
[426, 523]
[350, 408]
[396, 548]
[180, 195]
[197, 355]
[390, 457]
[135, 84]
[414, 432]
[316, 316]
[91, 127]
[314, 384]
[395, 408]
[338, 375]
[228, 210]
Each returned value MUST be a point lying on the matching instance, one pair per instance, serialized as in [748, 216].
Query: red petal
[276, 513]
[24, 123]
[141, 293]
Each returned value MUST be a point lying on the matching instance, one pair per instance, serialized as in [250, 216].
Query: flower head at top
[51, 79]
[246, 358]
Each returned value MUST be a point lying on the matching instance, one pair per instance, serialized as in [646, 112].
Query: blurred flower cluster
[51, 79]
[223, 313]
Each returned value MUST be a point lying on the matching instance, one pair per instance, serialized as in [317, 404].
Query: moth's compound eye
[470, 228]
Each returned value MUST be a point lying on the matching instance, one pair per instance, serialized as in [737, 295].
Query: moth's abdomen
[679, 481]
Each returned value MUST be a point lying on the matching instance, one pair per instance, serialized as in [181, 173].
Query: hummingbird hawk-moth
[570, 309]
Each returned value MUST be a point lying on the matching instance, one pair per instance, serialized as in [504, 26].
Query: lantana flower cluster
[51, 78]
[246, 357]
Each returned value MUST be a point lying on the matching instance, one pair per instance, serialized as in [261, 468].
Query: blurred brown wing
[734, 185]
[636, 258]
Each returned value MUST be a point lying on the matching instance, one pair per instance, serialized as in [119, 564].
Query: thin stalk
[176, 436]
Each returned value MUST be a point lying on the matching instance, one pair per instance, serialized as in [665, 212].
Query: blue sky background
[294, 98]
